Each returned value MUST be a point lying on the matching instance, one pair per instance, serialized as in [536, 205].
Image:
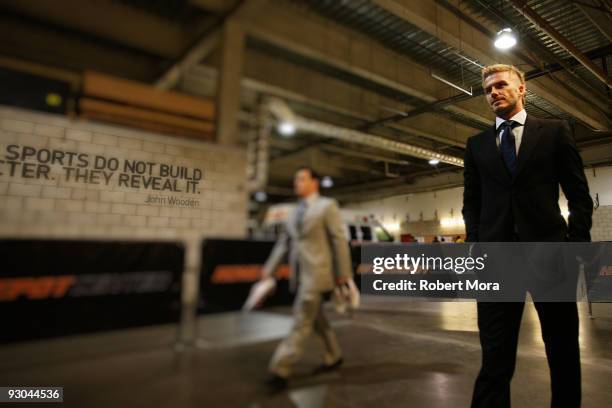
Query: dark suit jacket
[498, 207]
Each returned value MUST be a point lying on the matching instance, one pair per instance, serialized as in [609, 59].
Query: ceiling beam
[215, 6]
[129, 27]
[522, 7]
[602, 21]
[192, 57]
[47, 46]
[74, 78]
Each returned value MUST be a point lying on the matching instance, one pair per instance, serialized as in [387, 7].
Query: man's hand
[259, 292]
[341, 280]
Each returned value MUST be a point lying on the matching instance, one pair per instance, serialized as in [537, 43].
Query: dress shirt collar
[519, 118]
[310, 199]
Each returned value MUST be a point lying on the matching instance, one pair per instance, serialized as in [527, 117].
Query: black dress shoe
[275, 383]
[326, 368]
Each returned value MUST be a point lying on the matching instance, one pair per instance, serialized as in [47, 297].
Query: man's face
[304, 184]
[504, 93]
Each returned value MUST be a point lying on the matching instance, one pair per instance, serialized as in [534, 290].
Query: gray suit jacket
[318, 253]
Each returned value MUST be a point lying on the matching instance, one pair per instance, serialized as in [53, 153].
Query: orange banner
[244, 273]
[35, 288]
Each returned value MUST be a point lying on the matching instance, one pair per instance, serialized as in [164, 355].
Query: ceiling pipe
[283, 113]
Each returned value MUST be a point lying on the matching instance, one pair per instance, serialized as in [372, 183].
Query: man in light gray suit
[319, 260]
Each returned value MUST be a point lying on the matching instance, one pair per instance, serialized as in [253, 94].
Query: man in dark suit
[511, 193]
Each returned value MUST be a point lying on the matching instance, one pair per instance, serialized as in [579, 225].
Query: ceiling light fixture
[261, 197]
[327, 182]
[286, 128]
[505, 39]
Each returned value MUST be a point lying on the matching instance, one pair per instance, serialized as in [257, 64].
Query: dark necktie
[508, 146]
[299, 217]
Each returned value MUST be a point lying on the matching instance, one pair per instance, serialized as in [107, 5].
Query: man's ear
[522, 89]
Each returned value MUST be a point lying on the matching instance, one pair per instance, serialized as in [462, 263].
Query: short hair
[492, 69]
[312, 172]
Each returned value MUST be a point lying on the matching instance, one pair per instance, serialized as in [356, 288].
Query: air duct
[283, 113]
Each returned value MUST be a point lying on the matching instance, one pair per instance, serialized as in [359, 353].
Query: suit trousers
[499, 325]
[308, 316]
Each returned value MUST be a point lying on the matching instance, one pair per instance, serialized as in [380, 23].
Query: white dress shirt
[302, 207]
[517, 131]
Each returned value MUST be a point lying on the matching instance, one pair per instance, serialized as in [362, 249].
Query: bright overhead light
[286, 128]
[327, 182]
[261, 196]
[505, 39]
[434, 162]
[392, 227]
[451, 222]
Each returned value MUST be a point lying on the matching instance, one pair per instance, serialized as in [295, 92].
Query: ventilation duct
[283, 113]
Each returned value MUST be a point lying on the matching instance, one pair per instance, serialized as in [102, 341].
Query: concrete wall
[423, 213]
[43, 200]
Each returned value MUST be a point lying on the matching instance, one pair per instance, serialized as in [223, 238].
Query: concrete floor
[417, 354]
